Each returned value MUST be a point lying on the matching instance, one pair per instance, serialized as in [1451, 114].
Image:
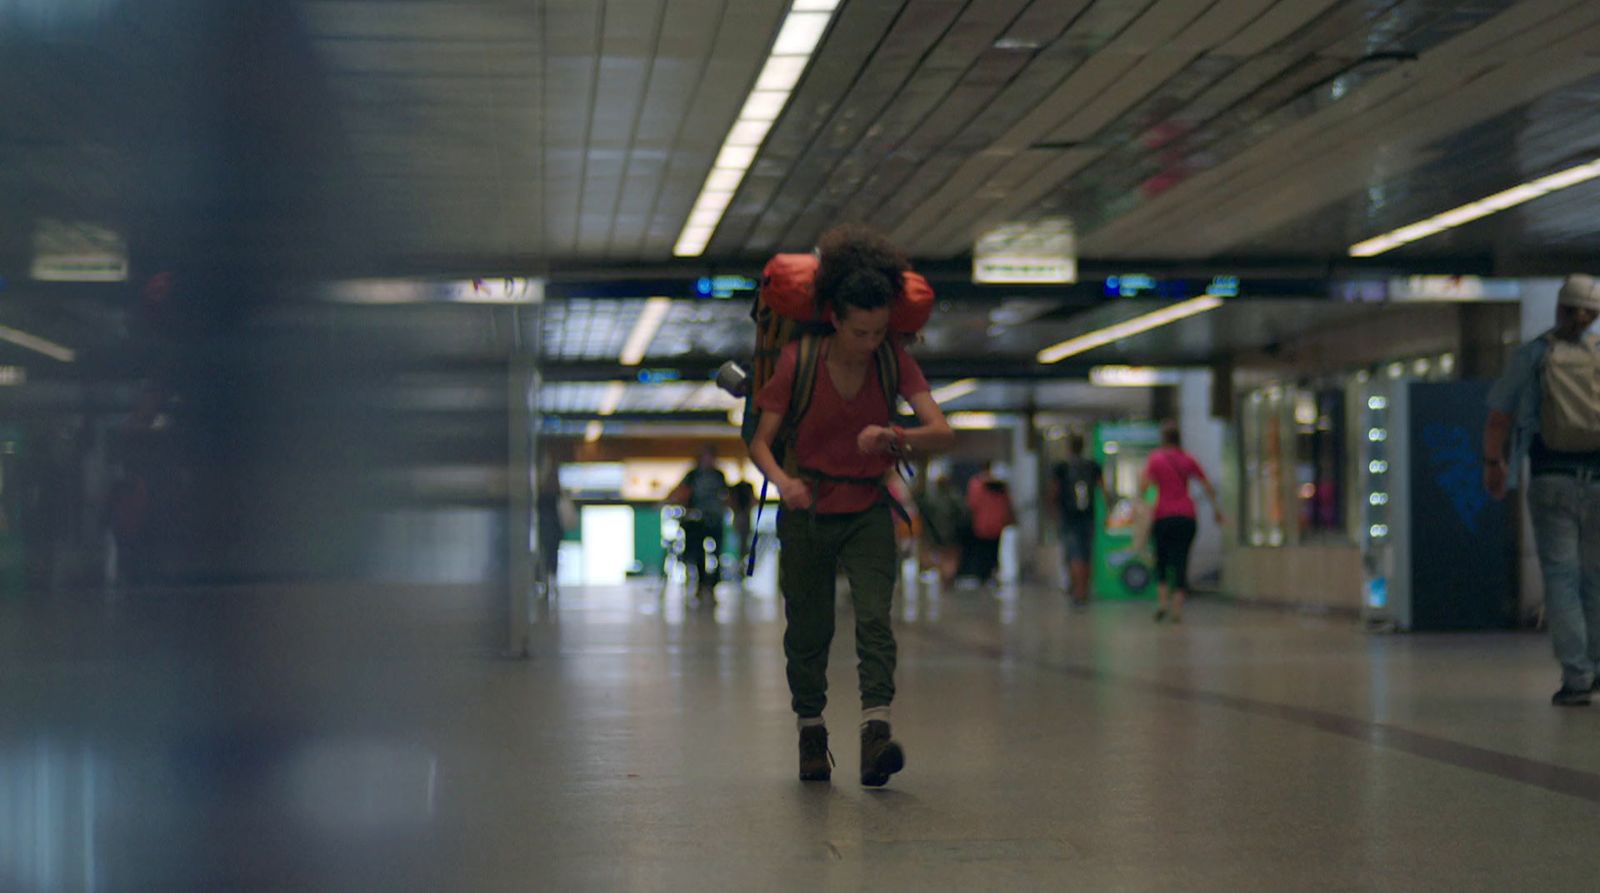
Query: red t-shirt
[990, 508]
[1172, 469]
[826, 438]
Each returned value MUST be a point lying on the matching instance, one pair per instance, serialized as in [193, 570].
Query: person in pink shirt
[1170, 469]
[989, 505]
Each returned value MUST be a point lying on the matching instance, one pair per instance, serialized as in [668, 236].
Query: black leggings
[1173, 538]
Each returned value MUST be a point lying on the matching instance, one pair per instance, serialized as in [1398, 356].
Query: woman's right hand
[795, 493]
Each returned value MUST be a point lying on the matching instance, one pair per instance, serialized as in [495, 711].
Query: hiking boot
[816, 761]
[881, 757]
[1570, 697]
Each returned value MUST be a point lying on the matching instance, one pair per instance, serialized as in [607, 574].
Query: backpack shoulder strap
[805, 379]
[807, 355]
[889, 376]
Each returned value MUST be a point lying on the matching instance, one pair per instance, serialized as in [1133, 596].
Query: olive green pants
[814, 549]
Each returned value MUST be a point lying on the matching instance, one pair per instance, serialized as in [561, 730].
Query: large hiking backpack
[1569, 411]
[785, 310]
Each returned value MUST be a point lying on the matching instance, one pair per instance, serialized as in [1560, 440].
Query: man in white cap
[1547, 409]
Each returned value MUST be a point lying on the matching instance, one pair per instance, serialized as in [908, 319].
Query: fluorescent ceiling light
[703, 219]
[726, 179]
[802, 29]
[736, 157]
[801, 33]
[748, 133]
[763, 105]
[691, 244]
[974, 421]
[716, 200]
[1128, 328]
[39, 345]
[80, 268]
[655, 312]
[612, 398]
[782, 72]
[699, 232]
[954, 390]
[1481, 208]
[1131, 376]
[593, 431]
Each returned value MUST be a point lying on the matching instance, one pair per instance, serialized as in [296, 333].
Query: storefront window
[1296, 452]
[1262, 440]
[1319, 461]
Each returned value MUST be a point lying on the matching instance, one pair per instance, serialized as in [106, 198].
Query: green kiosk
[1122, 448]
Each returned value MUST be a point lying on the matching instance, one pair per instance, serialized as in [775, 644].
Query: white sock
[874, 713]
[806, 722]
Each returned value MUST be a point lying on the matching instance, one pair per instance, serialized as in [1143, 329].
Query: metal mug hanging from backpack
[733, 377]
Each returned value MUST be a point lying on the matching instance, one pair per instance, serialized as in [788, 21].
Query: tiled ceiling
[570, 137]
[416, 136]
[580, 131]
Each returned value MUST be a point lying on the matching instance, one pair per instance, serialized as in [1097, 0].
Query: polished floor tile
[363, 738]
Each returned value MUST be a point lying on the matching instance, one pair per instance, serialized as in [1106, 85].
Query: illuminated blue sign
[657, 376]
[1139, 285]
[1130, 285]
[723, 286]
[1224, 287]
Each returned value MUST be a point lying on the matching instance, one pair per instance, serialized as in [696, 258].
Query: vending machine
[1438, 553]
[1121, 567]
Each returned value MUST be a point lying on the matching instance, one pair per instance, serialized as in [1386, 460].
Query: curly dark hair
[860, 269]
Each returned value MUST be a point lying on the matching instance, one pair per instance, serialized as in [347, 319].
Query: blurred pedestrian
[1073, 486]
[554, 514]
[944, 517]
[1169, 469]
[989, 506]
[703, 493]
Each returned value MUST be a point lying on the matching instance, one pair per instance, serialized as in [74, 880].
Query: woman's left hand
[875, 440]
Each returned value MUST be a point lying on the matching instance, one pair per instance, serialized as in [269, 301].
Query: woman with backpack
[836, 511]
